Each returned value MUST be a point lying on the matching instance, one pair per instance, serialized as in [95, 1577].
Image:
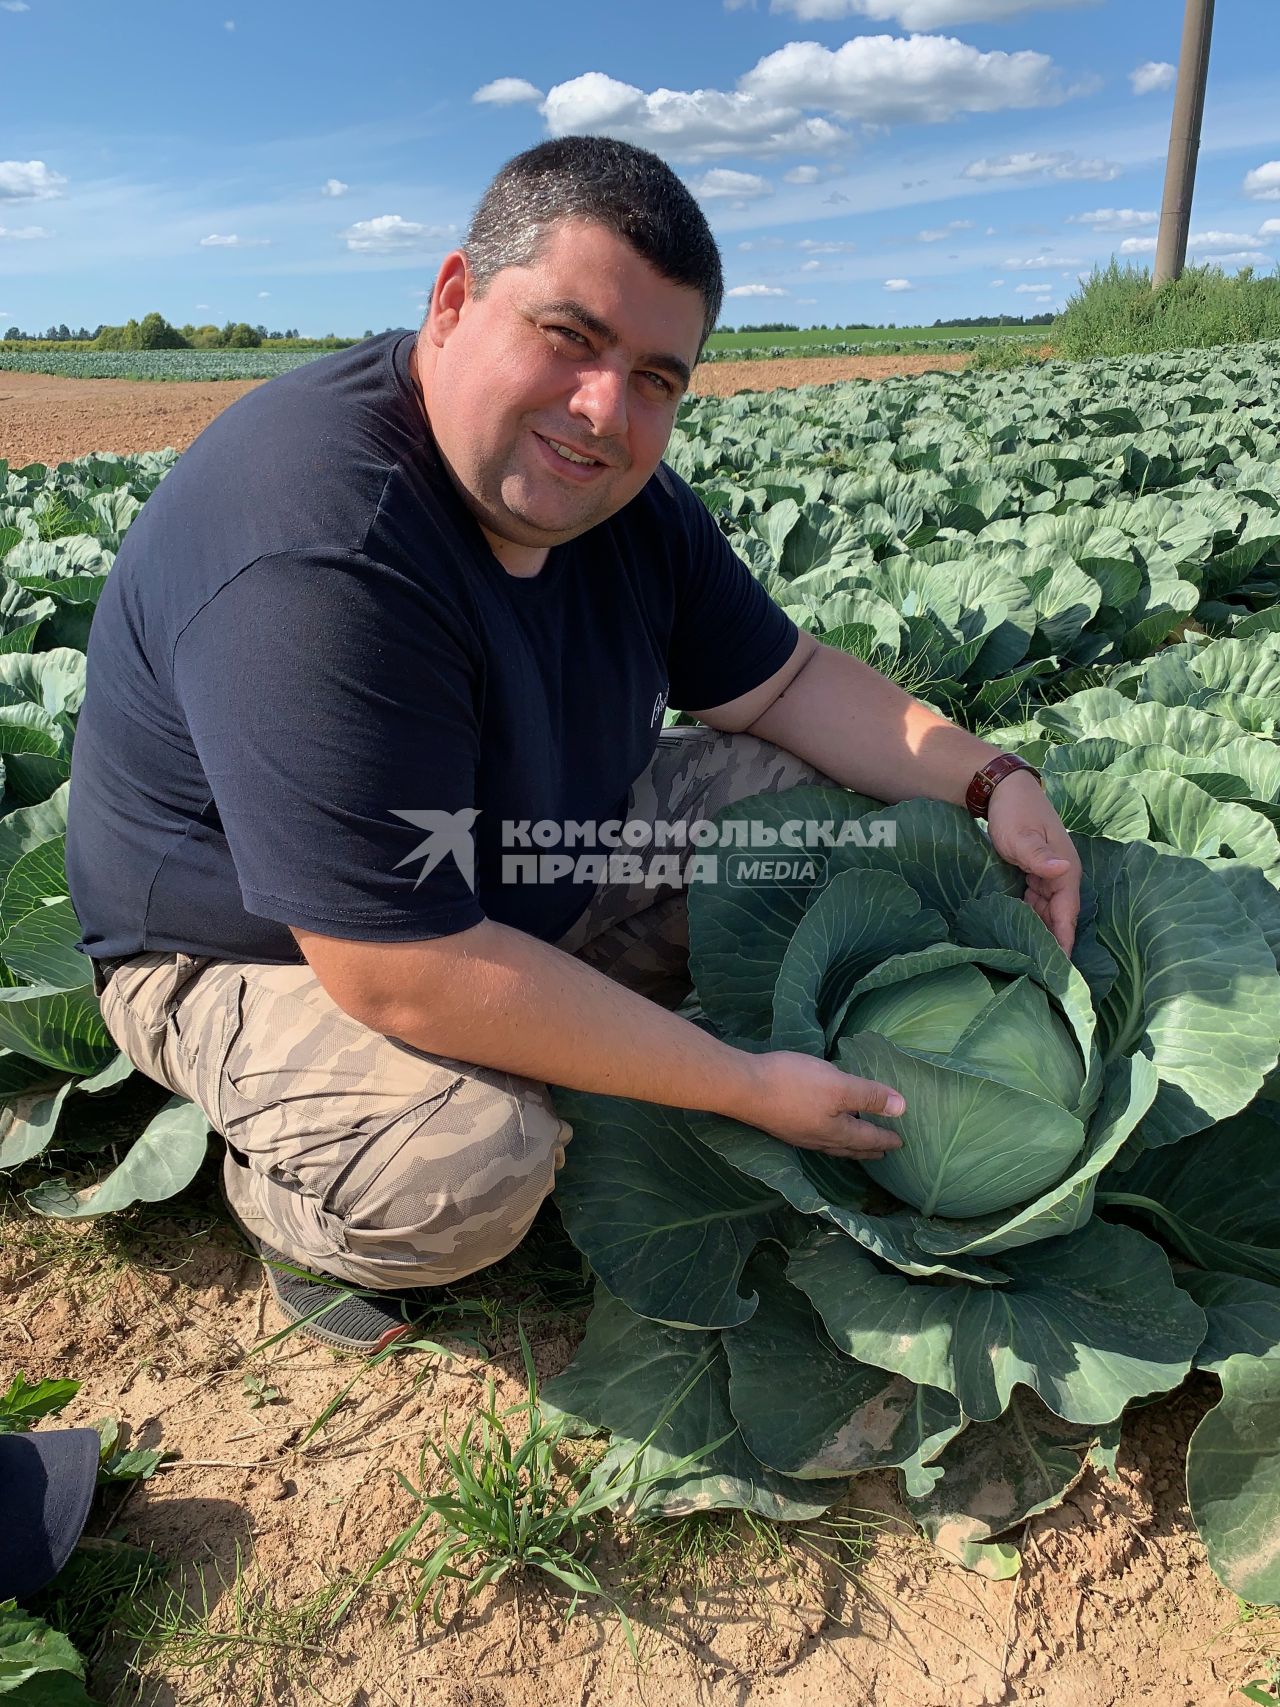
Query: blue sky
[860, 160]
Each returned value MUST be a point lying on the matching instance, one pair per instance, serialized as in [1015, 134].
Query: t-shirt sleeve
[728, 635]
[326, 694]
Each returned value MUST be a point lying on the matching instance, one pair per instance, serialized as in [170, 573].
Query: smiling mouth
[567, 454]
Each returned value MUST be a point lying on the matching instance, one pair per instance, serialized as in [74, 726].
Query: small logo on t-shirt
[449, 833]
[659, 706]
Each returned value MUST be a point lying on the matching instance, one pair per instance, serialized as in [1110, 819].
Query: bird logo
[447, 833]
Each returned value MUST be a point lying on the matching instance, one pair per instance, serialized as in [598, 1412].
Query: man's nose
[601, 400]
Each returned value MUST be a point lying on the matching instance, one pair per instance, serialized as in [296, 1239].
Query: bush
[1117, 313]
[153, 333]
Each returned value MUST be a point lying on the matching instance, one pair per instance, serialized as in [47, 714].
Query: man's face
[587, 349]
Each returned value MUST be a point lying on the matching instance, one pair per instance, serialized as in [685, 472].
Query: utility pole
[1184, 142]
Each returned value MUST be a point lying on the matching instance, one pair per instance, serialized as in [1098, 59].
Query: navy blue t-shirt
[306, 632]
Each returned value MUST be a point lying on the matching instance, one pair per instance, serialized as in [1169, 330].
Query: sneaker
[335, 1312]
[332, 1311]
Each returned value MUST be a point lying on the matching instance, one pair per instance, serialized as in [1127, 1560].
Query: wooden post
[1184, 142]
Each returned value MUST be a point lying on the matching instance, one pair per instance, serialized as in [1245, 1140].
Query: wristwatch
[978, 794]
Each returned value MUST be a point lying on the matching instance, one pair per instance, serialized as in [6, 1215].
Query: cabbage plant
[977, 1308]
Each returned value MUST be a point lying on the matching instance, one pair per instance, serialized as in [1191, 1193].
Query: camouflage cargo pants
[356, 1154]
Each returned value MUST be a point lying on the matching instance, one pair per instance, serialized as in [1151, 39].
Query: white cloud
[898, 284]
[200, 305]
[1269, 228]
[23, 233]
[1138, 246]
[1034, 289]
[806, 301]
[812, 246]
[937, 233]
[507, 92]
[29, 180]
[230, 24]
[997, 284]
[755, 290]
[1263, 183]
[888, 79]
[690, 125]
[1032, 263]
[216, 242]
[876, 79]
[1240, 258]
[14, 6]
[1030, 164]
[1216, 241]
[1151, 76]
[810, 266]
[720, 183]
[334, 187]
[1115, 218]
[762, 243]
[918, 14]
[801, 175]
[262, 294]
[388, 234]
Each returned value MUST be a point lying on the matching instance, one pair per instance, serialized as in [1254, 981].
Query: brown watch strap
[978, 794]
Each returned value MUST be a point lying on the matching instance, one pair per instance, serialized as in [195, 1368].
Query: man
[444, 583]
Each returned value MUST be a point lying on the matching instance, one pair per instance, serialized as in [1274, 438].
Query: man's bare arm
[500, 998]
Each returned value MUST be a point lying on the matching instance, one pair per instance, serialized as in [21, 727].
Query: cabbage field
[266, 363]
[1082, 563]
[195, 365]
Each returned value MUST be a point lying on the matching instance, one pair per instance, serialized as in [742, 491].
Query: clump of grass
[742, 1549]
[999, 355]
[512, 1508]
[237, 1632]
[1116, 312]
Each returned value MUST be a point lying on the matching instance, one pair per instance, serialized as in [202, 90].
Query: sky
[304, 165]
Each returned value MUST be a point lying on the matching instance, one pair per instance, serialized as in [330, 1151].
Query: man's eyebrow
[601, 330]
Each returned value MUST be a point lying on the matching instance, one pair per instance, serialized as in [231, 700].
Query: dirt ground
[159, 1312]
[45, 419]
[159, 1315]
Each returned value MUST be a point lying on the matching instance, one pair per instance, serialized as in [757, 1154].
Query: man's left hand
[1027, 833]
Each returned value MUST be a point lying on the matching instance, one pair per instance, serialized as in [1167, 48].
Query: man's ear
[448, 298]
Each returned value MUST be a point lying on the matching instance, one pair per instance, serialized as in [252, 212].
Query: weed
[510, 1507]
[1116, 312]
[101, 1579]
[259, 1391]
[234, 1629]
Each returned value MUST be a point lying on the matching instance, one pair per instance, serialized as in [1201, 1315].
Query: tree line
[957, 320]
[154, 332]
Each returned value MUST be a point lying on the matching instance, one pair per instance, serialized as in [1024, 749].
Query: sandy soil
[1114, 1606]
[44, 419]
[722, 379]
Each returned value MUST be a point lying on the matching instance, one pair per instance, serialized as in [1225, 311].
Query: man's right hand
[814, 1105]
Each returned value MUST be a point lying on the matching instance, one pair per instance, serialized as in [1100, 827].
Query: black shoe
[332, 1311]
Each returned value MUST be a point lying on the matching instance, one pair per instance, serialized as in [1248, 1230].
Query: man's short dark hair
[625, 189]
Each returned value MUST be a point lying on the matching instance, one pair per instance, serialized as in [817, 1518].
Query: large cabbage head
[994, 1073]
[910, 958]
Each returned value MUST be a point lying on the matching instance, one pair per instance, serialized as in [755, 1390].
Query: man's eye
[661, 381]
[568, 332]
